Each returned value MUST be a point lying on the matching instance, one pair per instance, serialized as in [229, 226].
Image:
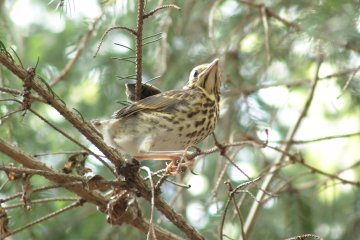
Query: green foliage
[306, 202]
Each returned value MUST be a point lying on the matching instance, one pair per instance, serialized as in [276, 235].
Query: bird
[163, 126]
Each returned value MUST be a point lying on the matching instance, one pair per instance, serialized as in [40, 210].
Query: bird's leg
[161, 155]
[182, 163]
[174, 156]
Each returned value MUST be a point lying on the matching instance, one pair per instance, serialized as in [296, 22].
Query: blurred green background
[262, 88]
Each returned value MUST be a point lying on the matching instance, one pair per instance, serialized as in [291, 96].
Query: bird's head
[207, 77]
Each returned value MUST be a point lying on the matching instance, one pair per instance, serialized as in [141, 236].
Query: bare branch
[255, 208]
[73, 118]
[130, 30]
[321, 139]
[18, 93]
[51, 215]
[81, 46]
[139, 39]
[264, 19]
[152, 12]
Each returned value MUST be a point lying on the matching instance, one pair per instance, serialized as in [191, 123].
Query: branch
[81, 46]
[40, 201]
[247, 90]
[130, 30]
[152, 12]
[321, 139]
[139, 39]
[76, 185]
[45, 92]
[32, 163]
[161, 205]
[53, 214]
[329, 175]
[293, 25]
[255, 208]
[264, 18]
[91, 135]
[19, 93]
[270, 13]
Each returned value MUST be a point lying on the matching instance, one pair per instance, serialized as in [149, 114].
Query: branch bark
[134, 179]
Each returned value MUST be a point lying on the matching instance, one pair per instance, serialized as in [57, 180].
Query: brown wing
[157, 102]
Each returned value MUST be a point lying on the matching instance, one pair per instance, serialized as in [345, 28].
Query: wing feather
[155, 103]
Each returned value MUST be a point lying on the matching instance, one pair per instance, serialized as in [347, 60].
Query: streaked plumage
[170, 121]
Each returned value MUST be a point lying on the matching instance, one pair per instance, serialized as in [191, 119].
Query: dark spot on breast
[209, 104]
[190, 115]
[188, 125]
[192, 134]
[211, 111]
[181, 128]
[201, 122]
[175, 122]
[208, 126]
[166, 127]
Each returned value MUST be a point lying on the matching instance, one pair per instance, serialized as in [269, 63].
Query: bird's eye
[196, 73]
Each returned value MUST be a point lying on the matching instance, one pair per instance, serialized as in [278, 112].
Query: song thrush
[163, 126]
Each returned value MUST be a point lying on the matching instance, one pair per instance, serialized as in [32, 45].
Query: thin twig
[40, 189]
[264, 19]
[130, 30]
[347, 83]
[332, 176]
[132, 76]
[152, 12]
[225, 146]
[75, 141]
[51, 215]
[81, 46]
[152, 41]
[255, 208]
[232, 197]
[7, 116]
[247, 90]
[124, 46]
[151, 225]
[2, 186]
[221, 229]
[39, 201]
[124, 59]
[153, 35]
[18, 93]
[211, 31]
[320, 139]
[272, 14]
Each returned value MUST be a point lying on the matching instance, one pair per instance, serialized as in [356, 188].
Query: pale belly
[135, 136]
